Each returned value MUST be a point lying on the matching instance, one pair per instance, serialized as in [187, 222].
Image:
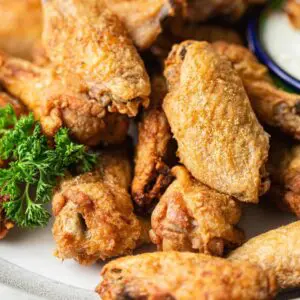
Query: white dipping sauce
[282, 41]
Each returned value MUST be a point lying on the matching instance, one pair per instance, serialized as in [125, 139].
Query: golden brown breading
[143, 18]
[284, 169]
[219, 138]
[272, 105]
[152, 172]
[292, 9]
[277, 251]
[20, 26]
[184, 276]
[84, 38]
[192, 217]
[93, 212]
[59, 101]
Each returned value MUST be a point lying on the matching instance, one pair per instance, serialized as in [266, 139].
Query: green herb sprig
[34, 167]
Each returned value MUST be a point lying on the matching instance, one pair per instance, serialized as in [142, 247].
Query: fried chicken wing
[292, 9]
[284, 169]
[152, 172]
[20, 26]
[94, 216]
[219, 138]
[192, 217]
[84, 38]
[277, 251]
[58, 101]
[174, 275]
[272, 105]
[143, 18]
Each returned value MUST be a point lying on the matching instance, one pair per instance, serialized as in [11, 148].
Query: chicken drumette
[192, 217]
[153, 151]
[174, 275]
[219, 138]
[94, 217]
[272, 105]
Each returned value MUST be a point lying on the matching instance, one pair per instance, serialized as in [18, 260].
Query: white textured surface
[9, 293]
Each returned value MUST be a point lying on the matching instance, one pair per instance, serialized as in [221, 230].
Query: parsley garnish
[34, 167]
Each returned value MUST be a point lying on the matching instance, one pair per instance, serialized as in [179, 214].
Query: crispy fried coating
[93, 212]
[273, 106]
[219, 138]
[284, 169]
[20, 26]
[85, 38]
[184, 276]
[152, 172]
[292, 9]
[192, 217]
[277, 251]
[143, 18]
[58, 101]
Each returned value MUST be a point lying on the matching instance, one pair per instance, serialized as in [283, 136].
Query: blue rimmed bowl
[282, 77]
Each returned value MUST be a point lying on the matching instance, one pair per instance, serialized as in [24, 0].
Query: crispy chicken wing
[184, 276]
[85, 38]
[277, 251]
[192, 217]
[152, 172]
[58, 101]
[93, 212]
[219, 138]
[272, 105]
[292, 8]
[20, 26]
[284, 169]
[143, 18]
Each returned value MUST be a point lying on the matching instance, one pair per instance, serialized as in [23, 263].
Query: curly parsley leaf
[34, 169]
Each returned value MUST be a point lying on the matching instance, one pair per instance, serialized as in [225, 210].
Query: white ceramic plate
[27, 266]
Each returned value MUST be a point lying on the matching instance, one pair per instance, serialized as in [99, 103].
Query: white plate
[27, 263]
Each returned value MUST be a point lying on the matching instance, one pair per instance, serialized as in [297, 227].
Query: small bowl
[284, 79]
